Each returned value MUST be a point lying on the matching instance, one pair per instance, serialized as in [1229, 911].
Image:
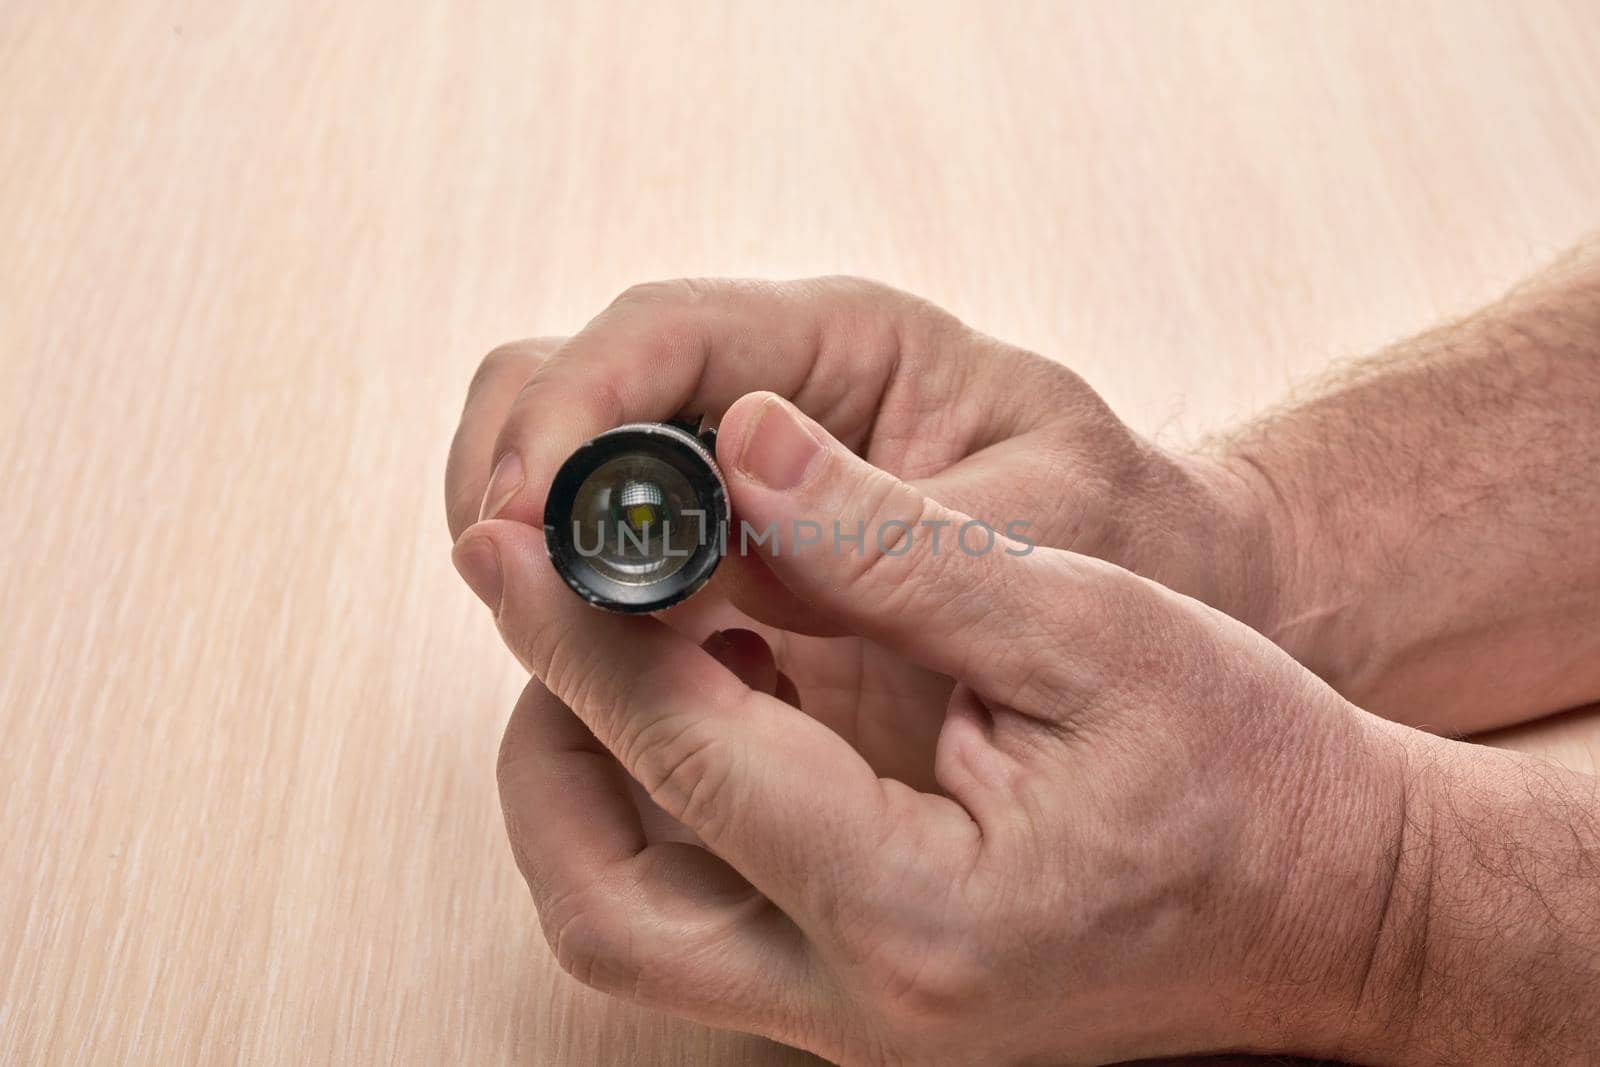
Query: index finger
[493, 389]
[836, 347]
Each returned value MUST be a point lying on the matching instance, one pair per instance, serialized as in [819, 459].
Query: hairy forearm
[1436, 514]
[1488, 944]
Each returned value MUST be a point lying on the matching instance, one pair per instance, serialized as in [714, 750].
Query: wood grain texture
[249, 255]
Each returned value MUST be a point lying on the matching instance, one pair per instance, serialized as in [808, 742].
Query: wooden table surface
[249, 255]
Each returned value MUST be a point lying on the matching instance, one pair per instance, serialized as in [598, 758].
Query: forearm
[1488, 944]
[1435, 517]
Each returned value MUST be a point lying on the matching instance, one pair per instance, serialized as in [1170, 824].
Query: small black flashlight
[637, 518]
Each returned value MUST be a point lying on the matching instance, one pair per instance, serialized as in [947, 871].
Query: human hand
[994, 431]
[1139, 844]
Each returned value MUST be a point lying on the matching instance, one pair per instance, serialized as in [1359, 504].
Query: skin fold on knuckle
[588, 931]
[1067, 651]
[607, 936]
[892, 534]
[685, 766]
[573, 669]
[669, 292]
[950, 589]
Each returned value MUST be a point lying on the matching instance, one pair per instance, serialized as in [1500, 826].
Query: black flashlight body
[637, 518]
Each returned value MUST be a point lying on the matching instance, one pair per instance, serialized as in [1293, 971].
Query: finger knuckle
[894, 511]
[1050, 659]
[569, 669]
[673, 291]
[854, 286]
[919, 564]
[515, 359]
[588, 932]
[875, 295]
[686, 768]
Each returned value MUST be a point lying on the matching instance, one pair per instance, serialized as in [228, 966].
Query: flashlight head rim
[677, 448]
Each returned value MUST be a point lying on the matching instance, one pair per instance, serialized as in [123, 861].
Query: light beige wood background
[249, 255]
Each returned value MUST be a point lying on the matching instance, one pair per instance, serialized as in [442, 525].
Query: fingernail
[779, 452]
[503, 485]
[479, 563]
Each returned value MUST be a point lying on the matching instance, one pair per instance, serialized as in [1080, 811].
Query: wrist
[1384, 988]
[1485, 947]
[1250, 536]
[1307, 590]
[1350, 857]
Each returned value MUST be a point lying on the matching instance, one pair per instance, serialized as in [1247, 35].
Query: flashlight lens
[636, 519]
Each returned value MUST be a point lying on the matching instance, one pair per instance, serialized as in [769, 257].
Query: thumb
[867, 549]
